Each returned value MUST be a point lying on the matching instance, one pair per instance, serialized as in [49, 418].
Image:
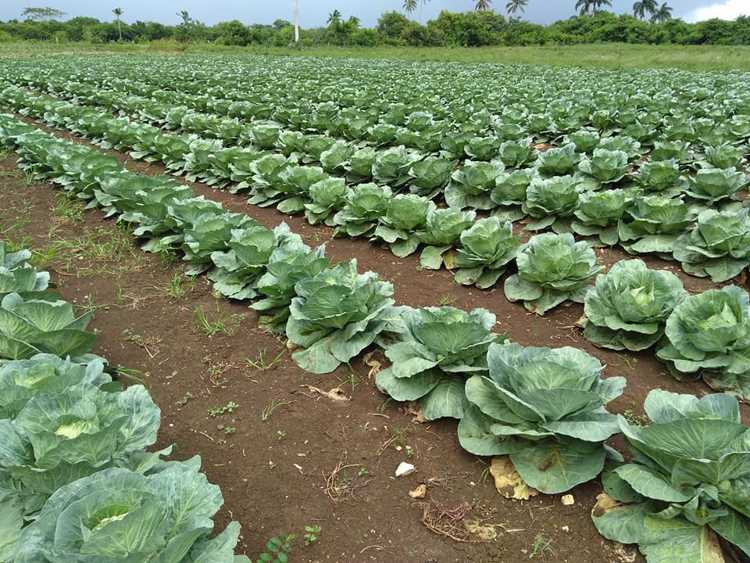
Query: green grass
[605, 55]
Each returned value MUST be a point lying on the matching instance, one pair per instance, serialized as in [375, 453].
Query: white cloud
[726, 10]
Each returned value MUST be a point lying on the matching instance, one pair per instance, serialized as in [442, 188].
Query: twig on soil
[338, 488]
[447, 522]
[206, 435]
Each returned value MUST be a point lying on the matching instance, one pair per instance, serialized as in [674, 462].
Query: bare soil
[288, 456]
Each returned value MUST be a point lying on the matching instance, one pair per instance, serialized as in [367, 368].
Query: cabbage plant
[69, 433]
[605, 167]
[431, 350]
[545, 409]
[551, 269]
[472, 185]
[708, 334]
[584, 140]
[598, 214]
[19, 276]
[287, 265]
[711, 185]
[653, 223]
[122, 515]
[515, 154]
[686, 483]
[558, 161]
[628, 306]
[441, 230]
[33, 326]
[509, 193]
[326, 198]
[209, 233]
[365, 205]
[484, 253]
[237, 269]
[391, 166]
[660, 176]
[406, 214]
[718, 246]
[335, 315]
[551, 201]
[722, 156]
[294, 186]
[430, 175]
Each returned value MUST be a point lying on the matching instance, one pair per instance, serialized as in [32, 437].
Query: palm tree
[118, 12]
[334, 18]
[515, 6]
[664, 13]
[185, 16]
[410, 6]
[642, 8]
[591, 6]
[483, 5]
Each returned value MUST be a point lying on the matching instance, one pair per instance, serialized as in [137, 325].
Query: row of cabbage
[707, 242]
[545, 408]
[362, 100]
[76, 481]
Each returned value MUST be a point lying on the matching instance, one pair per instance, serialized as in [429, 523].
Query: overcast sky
[314, 12]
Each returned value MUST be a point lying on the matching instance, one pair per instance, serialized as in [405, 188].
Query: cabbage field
[491, 241]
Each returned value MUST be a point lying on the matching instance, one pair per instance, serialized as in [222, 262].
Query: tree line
[650, 22]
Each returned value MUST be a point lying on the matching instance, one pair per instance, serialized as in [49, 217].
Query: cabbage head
[326, 198]
[430, 175]
[119, 515]
[598, 214]
[686, 483]
[558, 161]
[659, 176]
[431, 351]
[628, 306]
[441, 231]
[365, 205]
[335, 315]
[712, 185]
[545, 409]
[551, 269]
[653, 223]
[605, 166]
[708, 334]
[406, 214]
[472, 185]
[550, 201]
[485, 251]
[33, 326]
[718, 246]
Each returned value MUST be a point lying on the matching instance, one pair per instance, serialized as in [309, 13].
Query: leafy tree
[591, 6]
[41, 14]
[334, 19]
[663, 14]
[515, 6]
[185, 17]
[118, 12]
[643, 8]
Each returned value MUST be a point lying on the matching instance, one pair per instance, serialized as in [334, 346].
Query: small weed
[228, 430]
[277, 549]
[262, 363]
[352, 378]
[179, 286]
[228, 408]
[280, 435]
[186, 398]
[272, 406]
[446, 300]
[220, 323]
[68, 209]
[384, 405]
[312, 534]
[637, 419]
[542, 546]
[167, 257]
[130, 373]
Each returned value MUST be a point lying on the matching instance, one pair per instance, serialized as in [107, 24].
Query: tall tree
[40, 14]
[515, 6]
[334, 18]
[185, 17]
[591, 6]
[118, 12]
[410, 6]
[644, 8]
[483, 5]
[664, 13]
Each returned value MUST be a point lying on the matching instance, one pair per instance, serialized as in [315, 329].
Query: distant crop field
[451, 312]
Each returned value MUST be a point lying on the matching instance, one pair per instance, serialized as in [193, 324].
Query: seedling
[262, 363]
[312, 534]
[541, 547]
[228, 408]
[272, 406]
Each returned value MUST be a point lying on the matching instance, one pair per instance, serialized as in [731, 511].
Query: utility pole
[296, 21]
